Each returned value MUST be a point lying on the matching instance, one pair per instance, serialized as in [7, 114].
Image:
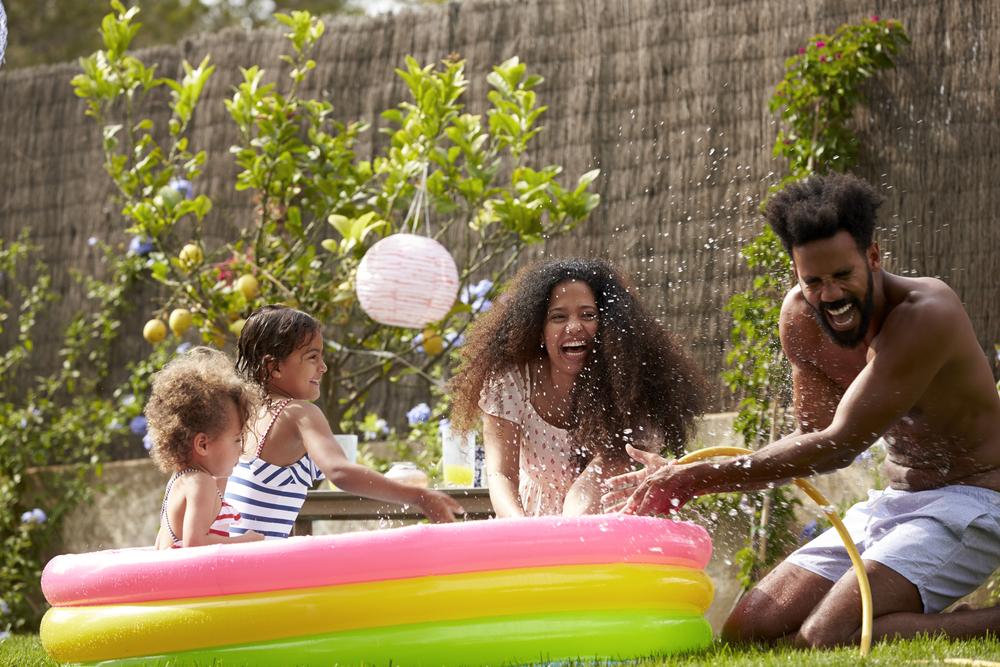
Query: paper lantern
[406, 280]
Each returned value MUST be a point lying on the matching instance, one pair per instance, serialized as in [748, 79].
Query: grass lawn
[26, 651]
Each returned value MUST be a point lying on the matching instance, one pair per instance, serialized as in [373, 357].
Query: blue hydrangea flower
[418, 414]
[475, 295]
[138, 425]
[183, 347]
[477, 291]
[147, 441]
[4, 635]
[183, 186]
[140, 245]
[454, 339]
[127, 400]
[809, 531]
[381, 427]
[4, 607]
[36, 515]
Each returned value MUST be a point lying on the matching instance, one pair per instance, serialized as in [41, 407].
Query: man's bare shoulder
[800, 335]
[925, 305]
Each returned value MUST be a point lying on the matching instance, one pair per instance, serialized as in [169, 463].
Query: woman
[564, 371]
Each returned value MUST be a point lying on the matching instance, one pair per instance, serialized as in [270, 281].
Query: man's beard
[854, 336]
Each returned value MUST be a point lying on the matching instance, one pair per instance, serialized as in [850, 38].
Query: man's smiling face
[837, 282]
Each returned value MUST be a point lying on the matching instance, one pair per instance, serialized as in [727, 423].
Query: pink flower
[822, 59]
[875, 18]
[802, 50]
[820, 44]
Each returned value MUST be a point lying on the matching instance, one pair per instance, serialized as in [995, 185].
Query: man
[872, 354]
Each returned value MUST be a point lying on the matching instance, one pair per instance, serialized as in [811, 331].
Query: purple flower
[183, 186]
[36, 515]
[381, 427]
[418, 414]
[138, 425]
[454, 339]
[128, 400]
[147, 441]
[4, 635]
[820, 44]
[140, 245]
[4, 607]
[476, 294]
[809, 531]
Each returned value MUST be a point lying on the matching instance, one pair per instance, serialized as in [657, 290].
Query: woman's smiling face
[571, 324]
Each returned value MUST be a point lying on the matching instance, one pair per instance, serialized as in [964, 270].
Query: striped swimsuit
[267, 496]
[226, 516]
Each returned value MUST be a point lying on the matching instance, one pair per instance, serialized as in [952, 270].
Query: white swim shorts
[945, 541]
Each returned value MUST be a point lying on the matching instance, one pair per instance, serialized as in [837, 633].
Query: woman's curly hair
[189, 397]
[636, 384]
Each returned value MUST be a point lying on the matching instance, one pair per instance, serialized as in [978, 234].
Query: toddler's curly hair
[188, 397]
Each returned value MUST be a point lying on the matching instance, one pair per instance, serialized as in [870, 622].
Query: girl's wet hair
[637, 381]
[270, 334]
[189, 396]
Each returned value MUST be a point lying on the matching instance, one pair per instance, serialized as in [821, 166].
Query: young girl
[291, 444]
[196, 414]
[565, 371]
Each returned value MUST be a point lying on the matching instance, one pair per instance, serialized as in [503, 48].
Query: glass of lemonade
[457, 456]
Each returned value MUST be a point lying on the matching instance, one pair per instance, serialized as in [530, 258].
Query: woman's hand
[439, 507]
[623, 486]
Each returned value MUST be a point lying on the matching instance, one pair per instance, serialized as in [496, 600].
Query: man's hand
[662, 491]
[621, 487]
[439, 507]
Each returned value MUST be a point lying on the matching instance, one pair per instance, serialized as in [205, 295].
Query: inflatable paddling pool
[547, 589]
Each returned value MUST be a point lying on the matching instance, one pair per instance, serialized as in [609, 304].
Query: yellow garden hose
[824, 504]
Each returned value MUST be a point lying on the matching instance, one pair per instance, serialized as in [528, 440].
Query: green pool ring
[512, 640]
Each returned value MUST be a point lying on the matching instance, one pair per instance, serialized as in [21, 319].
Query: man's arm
[914, 344]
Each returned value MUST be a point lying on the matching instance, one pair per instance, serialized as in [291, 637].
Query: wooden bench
[323, 505]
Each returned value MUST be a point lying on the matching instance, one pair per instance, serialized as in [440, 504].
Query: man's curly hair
[820, 206]
[189, 397]
[636, 383]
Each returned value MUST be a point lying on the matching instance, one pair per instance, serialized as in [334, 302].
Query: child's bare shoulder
[303, 412]
[196, 483]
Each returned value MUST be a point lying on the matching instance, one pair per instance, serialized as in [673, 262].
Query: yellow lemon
[433, 343]
[191, 255]
[248, 285]
[179, 321]
[154, 331]
[236, 328]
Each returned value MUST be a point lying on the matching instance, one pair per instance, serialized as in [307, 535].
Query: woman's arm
[502, 443]
[584, 495]
[326, 453]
